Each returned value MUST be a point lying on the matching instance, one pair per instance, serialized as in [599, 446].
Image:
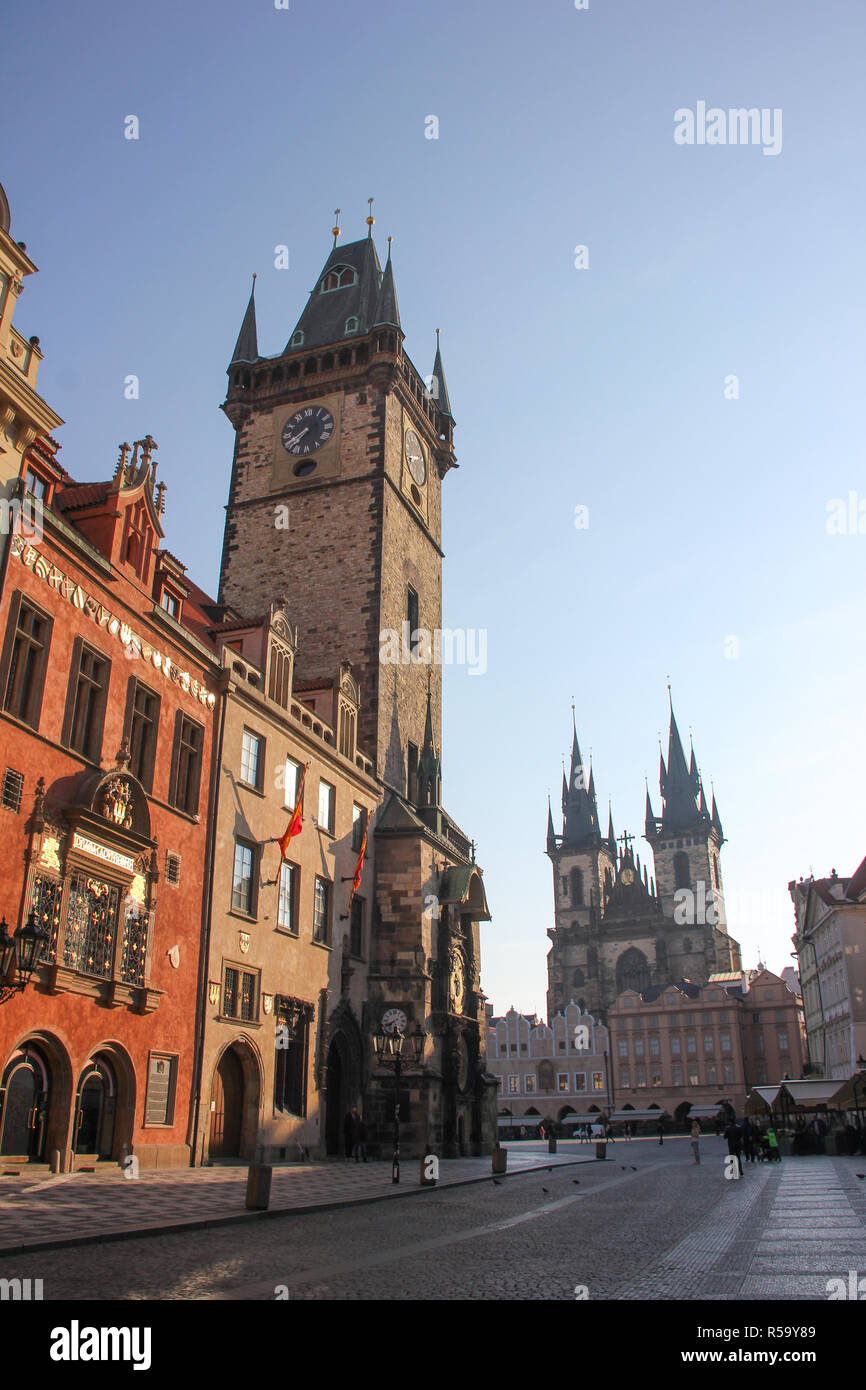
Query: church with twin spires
[619, 926]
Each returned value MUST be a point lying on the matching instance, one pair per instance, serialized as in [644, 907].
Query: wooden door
[227, 1107]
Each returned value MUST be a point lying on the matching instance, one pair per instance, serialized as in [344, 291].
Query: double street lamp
[390, 1051]
[23, 950]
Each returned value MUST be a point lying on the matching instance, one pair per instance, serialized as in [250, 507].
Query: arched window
[579, 978]
[278, 678]
[632, 971]
[576, 887]
[591, 961]
[682, 875]
[717, 883]
[297, 338]
[352, 324]
[338, 279]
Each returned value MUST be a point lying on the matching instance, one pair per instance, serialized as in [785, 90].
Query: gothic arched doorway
[337, 1100]
[25, 1097]
[95, 1109]
[227, 1106]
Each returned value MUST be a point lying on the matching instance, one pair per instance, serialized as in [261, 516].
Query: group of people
[355, 1136]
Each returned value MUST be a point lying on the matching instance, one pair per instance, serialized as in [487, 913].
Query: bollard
[551, 1145]
[601, 1149]
[54, 1160]
[500, 1160]
[259, 1186]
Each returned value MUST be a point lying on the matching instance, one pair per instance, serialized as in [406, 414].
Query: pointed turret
[438, 389]
[611, 837]
[551, 833]
[387, 313]
[579, 806]
[650, 820]
[679, 784]
[247, 346]
[716, 818]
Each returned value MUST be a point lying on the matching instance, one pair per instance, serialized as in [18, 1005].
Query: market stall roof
[767, 1094]
[812, 1092]
[637, 1114]
[594, 1118]
[703, 1112]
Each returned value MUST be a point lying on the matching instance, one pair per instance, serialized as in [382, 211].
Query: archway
[632, 971]
[95, 1109]
[337, 1100]
[235, 1094]
[26, 1096]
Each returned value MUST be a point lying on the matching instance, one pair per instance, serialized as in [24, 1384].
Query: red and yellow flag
[295, 825]
[359, 867]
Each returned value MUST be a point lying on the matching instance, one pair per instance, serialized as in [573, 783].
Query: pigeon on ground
[623, 1167]
[633, 1169]
[544, 1189]
[496, 1182]
[861, 1176]
[576, 1181]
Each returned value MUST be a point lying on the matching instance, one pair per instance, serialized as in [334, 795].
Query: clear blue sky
[601, 387]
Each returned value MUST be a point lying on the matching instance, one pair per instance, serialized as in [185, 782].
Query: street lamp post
[23, 950]
[389, 1051]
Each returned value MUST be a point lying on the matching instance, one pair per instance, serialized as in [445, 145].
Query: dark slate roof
[581, 811]
[387, 312]
[324, 318]
[247, 346]
[441, 390]
[680, 787]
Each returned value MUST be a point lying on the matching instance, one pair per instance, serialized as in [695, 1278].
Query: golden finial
[390, 239]
[335, 230]
[370, 218]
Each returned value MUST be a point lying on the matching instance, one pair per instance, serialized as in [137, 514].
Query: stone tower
[335, 496]
[335, 501]
[615, 927]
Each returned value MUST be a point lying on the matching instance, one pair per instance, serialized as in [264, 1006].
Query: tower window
[576, 887]
[338, 279]
[682, 874]
[36, 485]
[412, 611]
[278, 676]
[716, 878]
[297, 338]
[352, 324]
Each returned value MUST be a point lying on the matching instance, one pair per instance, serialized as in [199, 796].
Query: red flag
[295, 825]
[359, 867]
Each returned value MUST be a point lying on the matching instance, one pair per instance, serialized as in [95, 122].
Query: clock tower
[335, 501]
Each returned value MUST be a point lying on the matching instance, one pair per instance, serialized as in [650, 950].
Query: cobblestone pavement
[71, 1206]
[646, 1224]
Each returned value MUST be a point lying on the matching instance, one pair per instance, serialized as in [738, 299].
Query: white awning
[704, 1112]
[620, 1115]
[767, 1093]
[812, 1092]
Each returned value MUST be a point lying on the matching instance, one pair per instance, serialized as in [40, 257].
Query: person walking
[660, 1128]
[627, 1133]
[773, 1141]
[734, 1136]
[749, 1136]
[695, 1141]
[360, 1145]
[350, 1131]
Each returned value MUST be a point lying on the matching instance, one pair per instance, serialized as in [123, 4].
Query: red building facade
[107, 700]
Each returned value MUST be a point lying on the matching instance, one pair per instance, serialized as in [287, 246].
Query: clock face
[627, 876]
[457, 985]
[307, 430]
[415, 458]
[394, 1021]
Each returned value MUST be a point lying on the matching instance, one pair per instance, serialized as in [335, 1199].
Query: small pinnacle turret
[246, 347]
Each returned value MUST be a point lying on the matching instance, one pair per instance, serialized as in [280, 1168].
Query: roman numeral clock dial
[307, 430]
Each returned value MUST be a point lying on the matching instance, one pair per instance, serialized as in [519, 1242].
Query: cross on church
[626, 840]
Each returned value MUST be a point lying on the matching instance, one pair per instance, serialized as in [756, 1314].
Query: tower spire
[439, 389]
[247, 347]
[370, 218]
[335, 230]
